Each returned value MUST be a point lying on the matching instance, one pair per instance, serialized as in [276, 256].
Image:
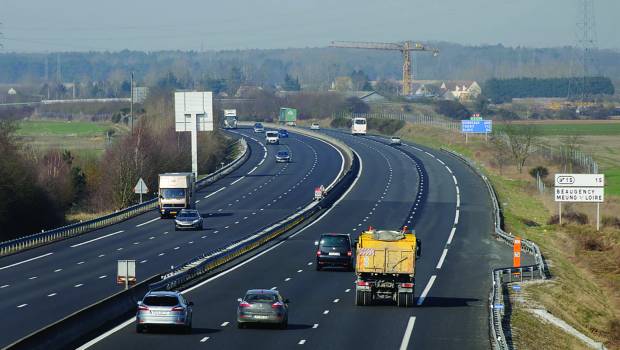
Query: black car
[334, 249]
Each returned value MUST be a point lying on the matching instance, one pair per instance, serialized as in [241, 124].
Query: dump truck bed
[385, 256]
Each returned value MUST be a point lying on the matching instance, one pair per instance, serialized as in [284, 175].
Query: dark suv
[334, 249]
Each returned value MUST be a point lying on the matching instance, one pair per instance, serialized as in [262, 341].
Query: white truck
[176, 192]
[358, 126]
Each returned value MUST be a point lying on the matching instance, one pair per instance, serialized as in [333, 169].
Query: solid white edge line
[210, 194]
[443, 256]
[456, 217]
[147, 222]
[451, 235]
[25, 261]
[407, 335]
[458, 200]
[233, 268]
[449, 170]
[426, 290]
[98, 238]
[454, 178]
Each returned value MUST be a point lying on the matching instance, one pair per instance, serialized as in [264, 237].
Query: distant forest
[315, 68]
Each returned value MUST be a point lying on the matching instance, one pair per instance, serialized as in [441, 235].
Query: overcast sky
[80, 25]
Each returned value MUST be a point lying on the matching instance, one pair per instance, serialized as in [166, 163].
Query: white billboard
[579, 180]
[190, 105]
[230, 112]
[580, 194]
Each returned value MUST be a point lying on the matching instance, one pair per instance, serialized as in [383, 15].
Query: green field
[594, 129]
[61, 128]
[77, 136]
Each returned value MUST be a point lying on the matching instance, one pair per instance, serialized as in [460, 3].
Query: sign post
[193, 112]
[476, 125]
[141, 189]
[581, 188]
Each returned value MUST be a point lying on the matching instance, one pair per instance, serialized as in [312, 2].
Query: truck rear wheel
[404, 299]
[363, 298]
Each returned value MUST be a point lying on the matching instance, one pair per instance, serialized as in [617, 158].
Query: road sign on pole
[193, 112]
[141, 188]
[582, 188]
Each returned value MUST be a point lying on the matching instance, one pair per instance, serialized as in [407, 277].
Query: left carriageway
[45, 284]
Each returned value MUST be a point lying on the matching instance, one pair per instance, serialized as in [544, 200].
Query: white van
[272, 137]
[358, 126]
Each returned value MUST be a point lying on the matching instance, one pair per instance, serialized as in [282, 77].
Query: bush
[340, 123]
[385, 126]
[540, 170]
[569, 217]
[611, 221]
[591, 242]
[452, 109]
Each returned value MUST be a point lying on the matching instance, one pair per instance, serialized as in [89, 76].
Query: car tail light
[406, 285]
[244, 304]
[363, 283]
[318, 252]
[277, 305]
[349, 253]
[143, 308]
[178, 309]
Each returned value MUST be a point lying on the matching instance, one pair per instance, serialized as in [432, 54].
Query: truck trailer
[176, 192]
[288, 116]
[385, 266]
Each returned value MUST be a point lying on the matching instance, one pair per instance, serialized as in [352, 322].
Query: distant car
[258, 127]
[164, 308]
[283, 133]
[262, 306]
[315, 126]
[188, 219]
[334, 249]
[272, 138]
[395, 140]
[283, 156]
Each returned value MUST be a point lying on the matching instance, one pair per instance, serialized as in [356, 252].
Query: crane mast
[405, 48]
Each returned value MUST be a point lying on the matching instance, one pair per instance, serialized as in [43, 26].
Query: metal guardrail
[45, 237]
[536, 271]
[205, 263]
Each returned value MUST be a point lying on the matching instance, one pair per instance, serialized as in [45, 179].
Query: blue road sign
[476, 126]
[498, 306]
[516, 288]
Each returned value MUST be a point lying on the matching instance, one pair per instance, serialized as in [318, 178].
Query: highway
[443, 200]
[42, 285]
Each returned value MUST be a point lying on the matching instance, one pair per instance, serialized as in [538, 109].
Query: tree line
[504, 90]
[40, 187]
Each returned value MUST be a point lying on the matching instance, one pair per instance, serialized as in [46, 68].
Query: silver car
[164, 308]
[188, 219]
[262, 306]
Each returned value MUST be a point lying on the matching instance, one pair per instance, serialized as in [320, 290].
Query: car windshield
[187, 215]
[260, 298]
[161, 300]
[360, 121]
[283, 131]
[282, 153]
[258, 125]
[334, 241]
[172, 192]
[272, 134]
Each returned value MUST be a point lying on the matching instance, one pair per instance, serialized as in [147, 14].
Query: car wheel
[318, 267]
[350, 268]
[176, 228]
[188, 328]
[240, 325]
[139, 328]
[284, 325]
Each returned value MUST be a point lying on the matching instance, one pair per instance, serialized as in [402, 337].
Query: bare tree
[500, 150]
[521, 140]
[570, 144]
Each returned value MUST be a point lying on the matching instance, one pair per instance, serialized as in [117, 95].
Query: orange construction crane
[405, 48]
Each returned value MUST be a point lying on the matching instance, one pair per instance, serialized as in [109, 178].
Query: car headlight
[196, 221]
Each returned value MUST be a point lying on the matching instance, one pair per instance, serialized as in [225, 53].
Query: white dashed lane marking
[426, 290]
[443, 256]
[22, 305]
[51, 295]
[224, 324]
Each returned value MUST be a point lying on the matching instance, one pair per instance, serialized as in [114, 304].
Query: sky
[150, 25]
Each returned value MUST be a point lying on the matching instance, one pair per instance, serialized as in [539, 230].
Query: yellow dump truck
[385, 266]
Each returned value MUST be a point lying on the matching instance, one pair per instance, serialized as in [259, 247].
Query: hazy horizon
[72, 25]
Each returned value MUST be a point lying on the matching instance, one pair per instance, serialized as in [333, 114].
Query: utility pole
[131, 103]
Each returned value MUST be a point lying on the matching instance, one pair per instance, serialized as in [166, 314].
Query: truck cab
[176, 192]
